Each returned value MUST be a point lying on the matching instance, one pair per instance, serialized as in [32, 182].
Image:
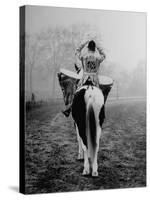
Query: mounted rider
[90, 56]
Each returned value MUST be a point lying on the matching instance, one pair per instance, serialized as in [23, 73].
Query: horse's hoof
[95, 174]
[86, 172]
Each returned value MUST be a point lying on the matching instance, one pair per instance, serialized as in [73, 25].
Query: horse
[88, 116]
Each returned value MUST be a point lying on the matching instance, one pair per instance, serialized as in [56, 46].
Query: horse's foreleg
[80, 151]
[94, 164]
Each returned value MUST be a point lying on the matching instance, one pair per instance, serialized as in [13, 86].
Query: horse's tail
[91, 129]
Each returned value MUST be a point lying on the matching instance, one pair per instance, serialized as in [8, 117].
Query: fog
[53, 34]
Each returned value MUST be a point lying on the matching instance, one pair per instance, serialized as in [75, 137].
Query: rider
[90, 56]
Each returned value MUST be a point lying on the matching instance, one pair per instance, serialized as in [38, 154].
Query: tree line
[48, 51]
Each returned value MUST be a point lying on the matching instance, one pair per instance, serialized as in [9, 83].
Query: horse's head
[68, 87]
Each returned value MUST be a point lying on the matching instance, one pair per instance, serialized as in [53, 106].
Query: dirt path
[51, 151]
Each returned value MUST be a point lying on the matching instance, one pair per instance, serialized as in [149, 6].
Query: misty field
[51, 149]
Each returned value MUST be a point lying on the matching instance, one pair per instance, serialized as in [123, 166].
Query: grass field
[51, 149]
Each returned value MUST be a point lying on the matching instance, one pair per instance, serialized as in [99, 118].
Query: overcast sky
[123, 33]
